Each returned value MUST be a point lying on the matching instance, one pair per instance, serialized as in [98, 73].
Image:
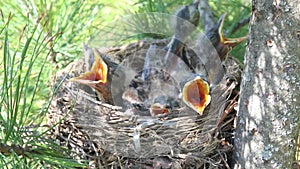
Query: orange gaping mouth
[196, 94]
[97, 74]
[158, 109]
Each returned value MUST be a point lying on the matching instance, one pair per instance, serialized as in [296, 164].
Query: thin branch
[229, 109]
[240, 24]
[7, 150]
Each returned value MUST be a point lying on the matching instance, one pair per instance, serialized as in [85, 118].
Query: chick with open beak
[196, 94]
[196, 90]
[97, 76]
[222, 44]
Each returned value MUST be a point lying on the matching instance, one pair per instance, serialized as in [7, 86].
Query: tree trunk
[268, 118]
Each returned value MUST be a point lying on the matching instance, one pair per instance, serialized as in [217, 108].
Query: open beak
[97, 74]
[226, 44]
[227, 41]
[157, 109]
[97, 78]
[196, 94]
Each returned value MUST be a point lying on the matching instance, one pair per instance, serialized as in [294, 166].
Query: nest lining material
[95, 130]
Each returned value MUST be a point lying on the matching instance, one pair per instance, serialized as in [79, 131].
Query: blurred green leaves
[69, 21]
[22, 145]
[35, 38]
[72, 19]
[145, 6]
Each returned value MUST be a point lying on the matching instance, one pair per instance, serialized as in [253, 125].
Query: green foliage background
[39, 37]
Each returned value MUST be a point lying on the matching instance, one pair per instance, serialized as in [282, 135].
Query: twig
[7, 150]
[20, 151]
[240, 24]
[232, 104]
[83, 94]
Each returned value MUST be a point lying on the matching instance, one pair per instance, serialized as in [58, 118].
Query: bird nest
[110, 137]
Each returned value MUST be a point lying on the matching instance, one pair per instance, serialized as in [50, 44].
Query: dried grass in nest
[106, 136]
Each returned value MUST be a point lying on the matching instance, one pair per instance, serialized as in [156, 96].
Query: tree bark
[268, 117]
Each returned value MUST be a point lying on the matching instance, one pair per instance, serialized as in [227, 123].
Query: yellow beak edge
[196, 94]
